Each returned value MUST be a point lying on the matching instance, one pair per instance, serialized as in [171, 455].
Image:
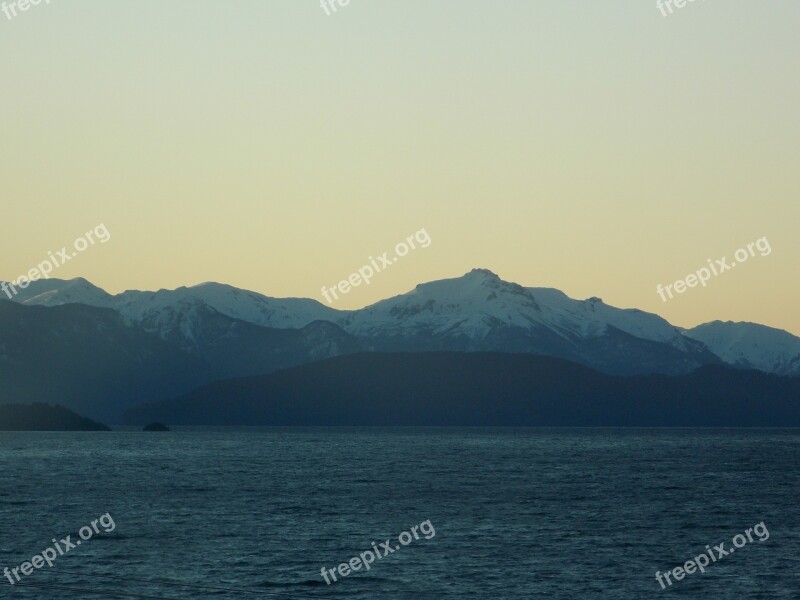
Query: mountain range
[72, 343]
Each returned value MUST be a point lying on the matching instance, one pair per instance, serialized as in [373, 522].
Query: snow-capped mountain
[166, 309]
[55, 292]
[475, 312]
[278, 313]
[169, 311]
[751, 346]
[479, 302]
[481, 312]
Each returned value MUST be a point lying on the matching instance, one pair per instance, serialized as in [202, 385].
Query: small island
[156, 427]
[44, 417]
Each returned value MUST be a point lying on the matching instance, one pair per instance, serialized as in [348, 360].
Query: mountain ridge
[475, 312]
[482, 389]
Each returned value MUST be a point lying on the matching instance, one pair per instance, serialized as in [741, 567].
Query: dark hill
[88, 360]
[44, 417]
[482, 389]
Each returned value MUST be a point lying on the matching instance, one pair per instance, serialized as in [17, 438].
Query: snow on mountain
[163, 308]
[278, 313]
[751, 345]
[174, 317]
[478, 302]
[478, 311]
[182, 313]
[55, 292]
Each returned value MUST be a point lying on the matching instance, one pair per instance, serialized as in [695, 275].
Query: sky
[600, 148]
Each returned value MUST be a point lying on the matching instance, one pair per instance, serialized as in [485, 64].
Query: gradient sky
[595, 147]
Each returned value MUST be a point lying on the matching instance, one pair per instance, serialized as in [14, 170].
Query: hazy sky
[596, 147]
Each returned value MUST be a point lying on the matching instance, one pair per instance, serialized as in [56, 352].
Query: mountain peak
[477, 284]
[483, 273]
[52, 292]
[751, 345]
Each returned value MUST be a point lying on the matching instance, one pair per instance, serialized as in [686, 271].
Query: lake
[517, 513]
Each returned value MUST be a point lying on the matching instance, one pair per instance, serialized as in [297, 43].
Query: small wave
[276, 584]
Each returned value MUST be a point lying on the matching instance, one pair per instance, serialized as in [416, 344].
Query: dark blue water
[517, 513]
